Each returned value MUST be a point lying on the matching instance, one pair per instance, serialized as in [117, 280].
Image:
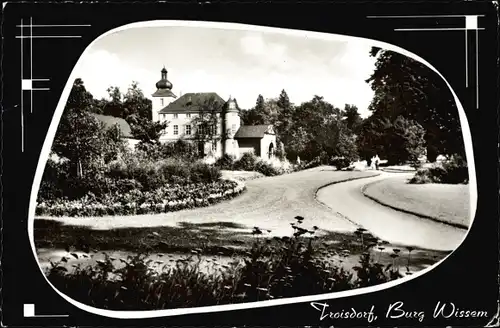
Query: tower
[231, 126]
[162, 96]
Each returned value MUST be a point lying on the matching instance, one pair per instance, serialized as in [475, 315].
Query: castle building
[210, 121]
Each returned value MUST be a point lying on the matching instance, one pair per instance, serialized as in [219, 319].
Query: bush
[456, 170]
[225, 162]
[272, 269]
[266, 169]
[155, 174]
[340, 162]
[453, 171]
[155, 151]
[168, 198]
[247, 162]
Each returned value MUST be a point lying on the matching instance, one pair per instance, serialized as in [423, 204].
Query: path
[386, 223]
[272, 203]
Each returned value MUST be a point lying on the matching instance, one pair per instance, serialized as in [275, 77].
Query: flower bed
[172, 197]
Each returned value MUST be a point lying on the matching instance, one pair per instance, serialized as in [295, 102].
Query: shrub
[155, 151]
[172, 197]
[266, 169]
[453, 171]
[273, 268]
[225, 162]
[340, 162]
[126, 185]
[456, 170]
[201, 172]
[247, 162]
[54, 176]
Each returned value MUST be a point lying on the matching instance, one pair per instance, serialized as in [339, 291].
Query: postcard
[250, 164]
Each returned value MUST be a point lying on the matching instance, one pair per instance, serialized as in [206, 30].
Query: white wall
[264, 145]
[157, 105]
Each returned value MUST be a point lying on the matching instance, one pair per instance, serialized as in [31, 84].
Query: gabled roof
[110, 121]
[254, 131]
[191, 102]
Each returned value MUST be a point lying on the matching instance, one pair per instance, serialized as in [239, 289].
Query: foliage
[320, 132]
[206, 123]
[154, 174]
[340, 162]
[285, 119]
[169, 197]
[398, 141]
[260, 114]
[83, 140]
[272, 269]
[406, 87]
[246, 162]
[352, 118]
[179, 149]
[453, 171]
[226, 162]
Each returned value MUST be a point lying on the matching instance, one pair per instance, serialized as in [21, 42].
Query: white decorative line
[29, 312]
[471, 23]
[27, 84]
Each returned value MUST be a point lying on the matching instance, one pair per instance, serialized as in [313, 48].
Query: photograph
[195, 166]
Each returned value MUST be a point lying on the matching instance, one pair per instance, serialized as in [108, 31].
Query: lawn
[444, 202]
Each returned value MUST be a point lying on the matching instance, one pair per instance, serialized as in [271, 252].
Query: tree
[81, 138]
[352, 118]
[400, 140]
[79, 98]
[136, 109]
[206, 122]
[405, 87]
[146, 130]
[264, 112]
[318, 131]
[135, 103]
[113, 106]
[285, 117]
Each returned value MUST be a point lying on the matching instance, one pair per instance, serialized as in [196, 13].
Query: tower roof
[231, 105]
[163, 85]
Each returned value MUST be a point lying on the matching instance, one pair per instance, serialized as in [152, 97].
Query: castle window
[176, 129]
[233, 128]
[188, 115]
[176, 115]
[161, 100]
[214, 146]
[188, 129]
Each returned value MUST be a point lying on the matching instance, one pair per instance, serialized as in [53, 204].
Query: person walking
[377, 162]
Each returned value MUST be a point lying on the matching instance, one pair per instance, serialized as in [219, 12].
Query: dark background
[469, 277]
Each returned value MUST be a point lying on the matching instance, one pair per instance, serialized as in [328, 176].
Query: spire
[164, 83]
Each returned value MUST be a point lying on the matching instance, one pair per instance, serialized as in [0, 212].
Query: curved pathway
[388, 224]
[272, 203]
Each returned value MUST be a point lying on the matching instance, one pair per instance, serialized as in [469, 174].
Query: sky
[237, 63]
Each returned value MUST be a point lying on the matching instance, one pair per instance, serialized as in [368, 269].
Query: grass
[443, 202]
